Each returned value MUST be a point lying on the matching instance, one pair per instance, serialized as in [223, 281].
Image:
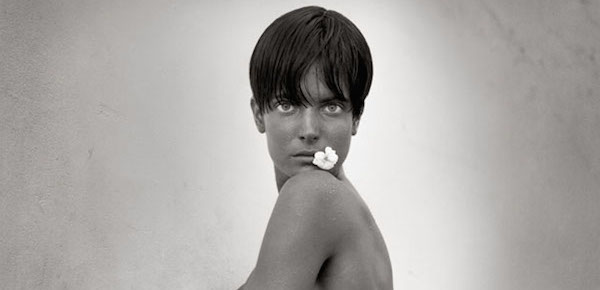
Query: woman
[310, 73]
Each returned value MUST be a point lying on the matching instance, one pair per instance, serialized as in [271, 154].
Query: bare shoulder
[323, 199]
[318, 192]
[316, 185]
[316, 217]
[304, 230]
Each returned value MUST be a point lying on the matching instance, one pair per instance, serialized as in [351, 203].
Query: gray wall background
[128, 156]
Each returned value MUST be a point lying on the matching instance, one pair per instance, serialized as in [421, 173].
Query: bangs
[295, 93]
[301, 39]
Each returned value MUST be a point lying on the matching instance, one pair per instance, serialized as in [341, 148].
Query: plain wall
[129, 159]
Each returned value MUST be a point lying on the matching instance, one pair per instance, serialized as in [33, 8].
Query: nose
[309, 127]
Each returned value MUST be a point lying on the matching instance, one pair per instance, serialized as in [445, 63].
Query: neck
[281, 178]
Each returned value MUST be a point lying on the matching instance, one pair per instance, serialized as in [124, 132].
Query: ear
[258, 117]
[355, 123]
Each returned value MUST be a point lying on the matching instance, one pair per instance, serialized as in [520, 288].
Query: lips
[310, 153]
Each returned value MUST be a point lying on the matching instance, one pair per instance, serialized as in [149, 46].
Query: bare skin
[325, 239]
[321, 234]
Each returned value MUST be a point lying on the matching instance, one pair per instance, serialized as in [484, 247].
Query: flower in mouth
[325, 160]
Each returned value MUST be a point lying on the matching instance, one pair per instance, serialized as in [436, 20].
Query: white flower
[325, 160]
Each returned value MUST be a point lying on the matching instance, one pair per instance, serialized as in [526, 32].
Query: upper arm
[303, 231]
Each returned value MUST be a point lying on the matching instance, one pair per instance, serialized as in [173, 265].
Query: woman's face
[295, 133]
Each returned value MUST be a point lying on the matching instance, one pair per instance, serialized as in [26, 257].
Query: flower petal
[325, 160]
[320, 155]
[328, 150]
[333, 158]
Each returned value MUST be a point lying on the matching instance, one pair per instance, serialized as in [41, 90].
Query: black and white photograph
[292, 145]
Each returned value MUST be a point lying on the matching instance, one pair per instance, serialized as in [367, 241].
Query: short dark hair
[303, 37]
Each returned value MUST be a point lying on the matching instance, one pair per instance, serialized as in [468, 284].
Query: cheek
[340, 138]
[278, 135]
[274, 140]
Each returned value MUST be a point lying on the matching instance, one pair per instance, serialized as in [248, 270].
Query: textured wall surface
[128, 156]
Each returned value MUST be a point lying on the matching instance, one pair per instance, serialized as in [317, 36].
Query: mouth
[305, 153]
[304, 158]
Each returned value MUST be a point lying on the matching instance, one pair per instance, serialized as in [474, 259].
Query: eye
[333, 108]
[285, 107]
